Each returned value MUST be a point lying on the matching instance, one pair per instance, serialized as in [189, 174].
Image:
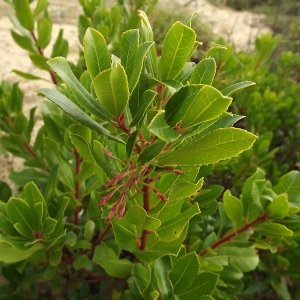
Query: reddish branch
[41, 52]
[228, 238]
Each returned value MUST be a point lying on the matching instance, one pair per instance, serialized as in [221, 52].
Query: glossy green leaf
[184, 189]
[183, 272]
[28, 76]
[131, 143]
[10, 254]
[161, 268]
[237, 86]
[245, 259]
[177, 48]
[76, 113]
[40, 6]
[172, 85]
[204, 72]
[214, 49]
[213, 147]
[24, 42]
[110, 262]
[151, 152]
[234, 209]
[207, 105]
[20, 213]
[161, 129]
[289, 184]
[96, 53]
[147, 99]
[202, 285]
[44, 32]
[6, 224]
[81, 261]
[111, 88]
[273, 229]
[86, 100]
[247, 191]
[24, 14]
[279, 208]
[172, 229]
[179, 103]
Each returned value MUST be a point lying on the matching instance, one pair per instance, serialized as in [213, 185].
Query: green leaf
[85, 99]
[183, 272]
[214, 49]
[89, 229]
[161, 129]
[44, 32]
[289, 184]
[234, 209]
[151, 152]
[76, 113]
[184, 189]
[10, 254]
[279, 208]
[110, 262]
[28, 76]
[247, 191]
[245, 259]
[180, 102]
[203, 284]
[111, 88]
[213, 147]
[61, 46]
[237, 86]
[147, 99]
[40, 6]
[208, 104]
[172, 229]
[55, 258]
[39, 61]
[96, 53]
[177, 48]
[131, 142]
[5, 191]
[161, 267]
[24, 14]
[81, 261]
[273, 229]
[20, 212]
[24, 42]
[204, 72]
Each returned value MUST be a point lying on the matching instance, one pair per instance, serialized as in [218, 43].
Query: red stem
[146, 193]
[52, 75]
[225, 239]
[101, 237]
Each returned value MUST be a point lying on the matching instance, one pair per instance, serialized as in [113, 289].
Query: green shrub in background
[112, 201]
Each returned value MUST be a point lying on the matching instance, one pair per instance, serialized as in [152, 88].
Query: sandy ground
[239, 28]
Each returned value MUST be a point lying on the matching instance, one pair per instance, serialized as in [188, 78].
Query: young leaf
[178, 44]
[96, 53]
[279, 208]
[208, 104]
[289, 184]
[202, 285]
[111, 88]
[237, 86]
[44, 32]
[111, 263]
[161, 129]
[234, 209]
[40, 6]
[151, 152]
[273, 229]
[63, 70]
[76, 113]
[24, 14]
[172, 229]
[184, 189]
[183, 272]
[213, 147]
[204, 72]
[147, 99]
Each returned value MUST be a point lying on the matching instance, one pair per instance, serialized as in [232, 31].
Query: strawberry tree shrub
[120, 195]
